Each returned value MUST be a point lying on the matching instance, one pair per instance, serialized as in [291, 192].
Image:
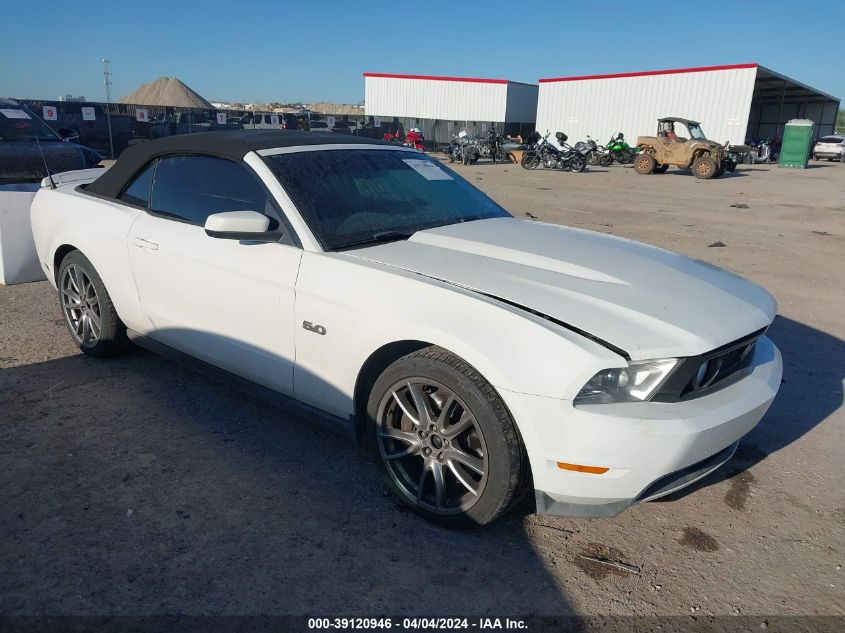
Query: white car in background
[480, 354]
[831, 147]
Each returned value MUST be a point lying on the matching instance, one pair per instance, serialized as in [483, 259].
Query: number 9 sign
[50, 113]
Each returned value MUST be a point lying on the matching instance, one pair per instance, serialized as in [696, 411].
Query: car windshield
[17, 124]
[695, 132]
[830, 139]
[356, 197]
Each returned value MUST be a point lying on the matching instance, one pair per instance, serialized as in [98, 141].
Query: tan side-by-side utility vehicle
[706, 158]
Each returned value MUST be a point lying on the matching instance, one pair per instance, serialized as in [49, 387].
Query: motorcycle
[542, 152]
[492, 147]
[620, 151]
[766, 151]
[598, 155]
[414, 139]
[463, 148]
[734, 154]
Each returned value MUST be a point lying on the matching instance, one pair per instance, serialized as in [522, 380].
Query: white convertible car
[480, 354]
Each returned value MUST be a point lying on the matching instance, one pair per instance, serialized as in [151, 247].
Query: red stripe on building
[672, 71]
[475, 80]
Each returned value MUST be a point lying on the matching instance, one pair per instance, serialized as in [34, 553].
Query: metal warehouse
[443, 106]
[733, 103]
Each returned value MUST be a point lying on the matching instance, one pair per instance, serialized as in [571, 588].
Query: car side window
[138, 192]
[190, 188]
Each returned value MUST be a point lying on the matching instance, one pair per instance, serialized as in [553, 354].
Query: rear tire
[445, 442]
[704, 167]
[87, 308]
[644, 164]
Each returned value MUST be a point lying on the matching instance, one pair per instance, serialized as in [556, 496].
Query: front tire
[444, 440]
[577, 164]
[704, 167]
[530, 161]
[87, 308]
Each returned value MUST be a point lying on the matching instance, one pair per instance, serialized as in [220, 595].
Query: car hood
[649, 302]
[21, 161]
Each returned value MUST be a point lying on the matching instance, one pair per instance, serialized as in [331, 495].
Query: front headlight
[638, 381]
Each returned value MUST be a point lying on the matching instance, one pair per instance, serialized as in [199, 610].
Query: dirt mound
[166, 91]
[336, 108]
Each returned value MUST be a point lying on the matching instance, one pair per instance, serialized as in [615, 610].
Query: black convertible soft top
[230, 144]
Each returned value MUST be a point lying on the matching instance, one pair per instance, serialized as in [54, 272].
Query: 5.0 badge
[312, 327]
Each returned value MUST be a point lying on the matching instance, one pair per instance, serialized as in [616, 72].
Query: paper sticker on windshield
[427, 169]
[9, 113]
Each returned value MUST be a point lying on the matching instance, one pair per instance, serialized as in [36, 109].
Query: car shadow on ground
[686, 172]
[810, 391]
[137, 486]
[814, 165]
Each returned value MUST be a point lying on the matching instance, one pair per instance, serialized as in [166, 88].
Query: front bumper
[650, 449]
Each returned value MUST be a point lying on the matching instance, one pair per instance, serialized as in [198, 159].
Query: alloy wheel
[81, 305]
[432, 446]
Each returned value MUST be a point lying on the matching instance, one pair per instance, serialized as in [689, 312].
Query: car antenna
[47, 169]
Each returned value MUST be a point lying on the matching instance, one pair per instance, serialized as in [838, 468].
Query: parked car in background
[291, 121]
[261, 121]
[831, 147]
[344, 127]
[317, 125]
[480, 354]
[189, 122]
[95, 133]
[27, 142]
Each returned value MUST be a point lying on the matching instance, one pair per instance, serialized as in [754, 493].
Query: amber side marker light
[578, 468]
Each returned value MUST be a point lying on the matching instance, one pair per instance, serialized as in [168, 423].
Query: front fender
[364, 306]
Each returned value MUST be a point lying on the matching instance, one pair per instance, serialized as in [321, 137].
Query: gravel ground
[135, 486]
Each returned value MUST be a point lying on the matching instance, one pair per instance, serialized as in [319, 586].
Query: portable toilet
[795, 147]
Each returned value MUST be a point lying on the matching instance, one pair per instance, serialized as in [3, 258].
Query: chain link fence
[111, 128]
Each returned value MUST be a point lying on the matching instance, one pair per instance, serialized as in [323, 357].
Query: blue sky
[284, 51]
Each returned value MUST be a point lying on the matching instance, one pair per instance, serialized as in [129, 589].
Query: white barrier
[18, 259]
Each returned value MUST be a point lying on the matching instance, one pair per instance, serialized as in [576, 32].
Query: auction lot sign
[50, 113]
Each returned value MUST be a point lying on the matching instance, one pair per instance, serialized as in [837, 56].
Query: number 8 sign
[50, 113]
[141, 114]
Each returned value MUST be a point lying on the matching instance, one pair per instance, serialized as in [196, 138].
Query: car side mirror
[237, 225]
[67, 134]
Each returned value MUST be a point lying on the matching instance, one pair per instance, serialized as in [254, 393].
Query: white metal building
[443, 106]
[732, 103]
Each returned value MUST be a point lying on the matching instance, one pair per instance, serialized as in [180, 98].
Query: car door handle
[140, 242]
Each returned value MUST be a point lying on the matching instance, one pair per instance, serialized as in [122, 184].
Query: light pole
[107, 82]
